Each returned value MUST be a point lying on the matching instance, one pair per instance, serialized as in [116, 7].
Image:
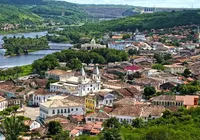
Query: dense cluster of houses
[81, 101]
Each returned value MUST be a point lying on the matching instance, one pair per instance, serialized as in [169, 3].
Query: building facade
[79, 85]
[60, 107]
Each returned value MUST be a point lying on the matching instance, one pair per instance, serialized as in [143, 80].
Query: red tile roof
[133, 68]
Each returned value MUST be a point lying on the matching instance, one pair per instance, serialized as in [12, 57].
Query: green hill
[13, 14]
[21, 2]
[60, 11]
[150, 21]
[142, 22]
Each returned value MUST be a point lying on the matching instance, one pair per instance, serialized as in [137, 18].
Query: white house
[105, 99]
[79, 85]
[63, 107]
[129, 113]
[3, 103]
[41, 95]
[32, 124]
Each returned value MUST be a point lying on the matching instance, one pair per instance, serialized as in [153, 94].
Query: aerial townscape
[72, 71]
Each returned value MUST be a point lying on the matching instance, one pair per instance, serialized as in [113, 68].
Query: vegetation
[158, 67]
[17, 46]
[189, 89]
[17, 15]
[187, 73]
[162, 58]
[74, 59]
[180, 125]
[149, 91]
[15, 72]
[56, 132]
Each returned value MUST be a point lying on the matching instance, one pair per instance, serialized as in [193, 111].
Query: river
[6, 62]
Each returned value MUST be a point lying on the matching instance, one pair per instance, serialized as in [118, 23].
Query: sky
[145, 3]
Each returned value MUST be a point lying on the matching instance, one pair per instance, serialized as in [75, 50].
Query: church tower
[96, 75]
[82, 78]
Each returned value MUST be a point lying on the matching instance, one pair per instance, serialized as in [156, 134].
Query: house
[152, 112]
[32, 124]
[143, 82]
[92, 45]
[41, 95]
[58, 74]
[14, 101]
[168, 86]
[174, 69]
[99, 99]
[138, 36]
[175, 100]
[127, 113]
[97, 117]
[3, 103]
[130, 92]
[79, 85]
[63, 107]
[132, 69]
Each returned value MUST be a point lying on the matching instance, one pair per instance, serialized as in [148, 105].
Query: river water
[6, 62]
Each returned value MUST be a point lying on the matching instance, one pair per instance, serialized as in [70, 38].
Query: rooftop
[59, 72]
[60, 103]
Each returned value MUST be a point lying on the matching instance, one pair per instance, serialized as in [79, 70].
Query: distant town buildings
[92, 45]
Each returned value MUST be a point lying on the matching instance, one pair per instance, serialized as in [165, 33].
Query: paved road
[31, 112]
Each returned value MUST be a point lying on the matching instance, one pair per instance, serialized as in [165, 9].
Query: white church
[80, 85]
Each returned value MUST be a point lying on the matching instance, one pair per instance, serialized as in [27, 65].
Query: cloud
[149, 3]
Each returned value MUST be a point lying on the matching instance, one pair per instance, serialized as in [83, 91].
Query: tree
[126, 36]
[149, 90]
[111, 134]
[74, 64]
[159, 58]
[11, 127]
[54, 128]
[112, 123]
[158, 67]
[64, 135]
[186, 73]
[138, 123]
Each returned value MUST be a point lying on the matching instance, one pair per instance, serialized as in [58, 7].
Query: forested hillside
[142, 22]
[21, 2]
[13, 14]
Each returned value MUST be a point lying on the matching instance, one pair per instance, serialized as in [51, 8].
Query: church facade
[80, 85]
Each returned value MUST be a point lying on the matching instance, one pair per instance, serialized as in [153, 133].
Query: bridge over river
[55, 46]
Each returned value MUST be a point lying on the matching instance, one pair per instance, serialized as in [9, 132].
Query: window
[58, 111]
[89, 119]
[76, 109]
[72, 109]
[68, 110]
[65, 111]
[61, 110]
[53, 112]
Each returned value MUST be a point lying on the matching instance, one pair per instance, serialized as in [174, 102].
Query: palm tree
[11, 127]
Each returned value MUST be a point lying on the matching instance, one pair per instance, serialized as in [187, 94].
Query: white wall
[48, 112]
[37, 99]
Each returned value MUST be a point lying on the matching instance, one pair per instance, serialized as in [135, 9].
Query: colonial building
[63, 107]
[79, 85]
[41, 95]
[176, 100]
[58, 74]
[3, 103]
[174, 69]
[139, 36]
[92, 45]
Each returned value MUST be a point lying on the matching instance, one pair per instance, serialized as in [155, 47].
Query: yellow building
[90, 103]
